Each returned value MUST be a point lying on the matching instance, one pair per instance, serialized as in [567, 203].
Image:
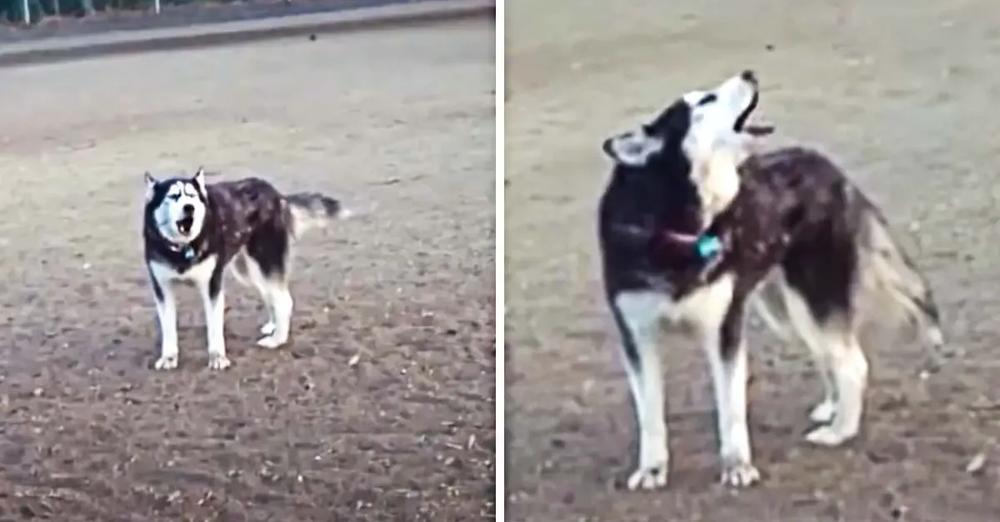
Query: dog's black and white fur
[789, 217]
[193, 231]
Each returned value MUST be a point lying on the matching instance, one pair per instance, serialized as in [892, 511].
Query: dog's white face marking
[717, 115]
[180, 215]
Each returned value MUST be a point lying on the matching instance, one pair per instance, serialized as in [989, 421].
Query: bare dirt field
[396, 123]
[902, 94]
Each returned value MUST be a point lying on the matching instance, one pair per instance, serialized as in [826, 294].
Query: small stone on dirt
[354, 360]
[976, 464]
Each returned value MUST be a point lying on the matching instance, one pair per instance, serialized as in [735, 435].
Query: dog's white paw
[271, 342]
[739, 475]
[268, 329]
[167, 362]
[648, 477]
[823, 412]
[218, 361]
[826, 436]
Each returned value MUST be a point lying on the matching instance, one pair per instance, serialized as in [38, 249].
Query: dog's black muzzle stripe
[742, 119]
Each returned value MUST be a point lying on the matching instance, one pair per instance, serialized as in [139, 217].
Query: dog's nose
[188, 209]
[749, 76]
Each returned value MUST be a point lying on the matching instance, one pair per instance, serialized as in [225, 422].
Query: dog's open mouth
[184, 225]
[741, 124]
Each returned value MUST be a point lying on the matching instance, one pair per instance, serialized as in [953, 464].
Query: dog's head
[705, 130]
[699, 122]
[177, 206]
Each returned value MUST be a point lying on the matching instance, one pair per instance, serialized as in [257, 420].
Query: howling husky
[193, 231]
[691, 228]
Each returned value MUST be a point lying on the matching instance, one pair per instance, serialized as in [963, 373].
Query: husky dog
[193, 231]
[691, 226]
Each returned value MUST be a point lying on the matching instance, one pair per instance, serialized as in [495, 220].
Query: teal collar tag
[708, 246]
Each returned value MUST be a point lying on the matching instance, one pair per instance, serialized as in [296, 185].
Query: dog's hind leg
[268, 256]
[637, 315]
[840, 361]
[808, 330]
[250, 271]
[849, 368]
[276, 333]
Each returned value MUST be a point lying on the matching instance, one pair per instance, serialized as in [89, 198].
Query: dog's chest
[196, 273]
[705, 304]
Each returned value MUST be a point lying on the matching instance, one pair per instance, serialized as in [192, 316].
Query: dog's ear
[150, 186]
[632, 148]
[199, 181]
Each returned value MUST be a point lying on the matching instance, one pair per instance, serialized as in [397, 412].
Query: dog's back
[836, 241]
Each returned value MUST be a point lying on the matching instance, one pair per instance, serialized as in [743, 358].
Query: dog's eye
[175, 197]
[709, 98]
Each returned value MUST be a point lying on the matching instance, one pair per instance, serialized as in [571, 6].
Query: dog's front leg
[166, 314]
[637, 315]
[725, 347]
[214, 299]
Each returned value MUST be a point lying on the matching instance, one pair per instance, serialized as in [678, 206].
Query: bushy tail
[313, 210]
[888, 272]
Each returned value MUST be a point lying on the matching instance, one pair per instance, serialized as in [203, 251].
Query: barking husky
[193, 231]
[689, 229]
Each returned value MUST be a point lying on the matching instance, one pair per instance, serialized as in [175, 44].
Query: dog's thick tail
[313, 210]
[887, 272]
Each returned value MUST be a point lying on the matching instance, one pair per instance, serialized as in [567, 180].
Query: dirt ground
[399, 125]
[902, 94]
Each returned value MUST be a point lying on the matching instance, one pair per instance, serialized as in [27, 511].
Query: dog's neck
[717, 182]
[717, 178]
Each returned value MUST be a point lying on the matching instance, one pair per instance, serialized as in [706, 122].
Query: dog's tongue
[184, 225]
[758, 130]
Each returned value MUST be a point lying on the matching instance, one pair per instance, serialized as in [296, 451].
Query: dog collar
[187, 251]
[705, 246]
[708, 246]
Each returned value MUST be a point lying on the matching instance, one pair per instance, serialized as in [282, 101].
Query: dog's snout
[188, 209]
[749, 76]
